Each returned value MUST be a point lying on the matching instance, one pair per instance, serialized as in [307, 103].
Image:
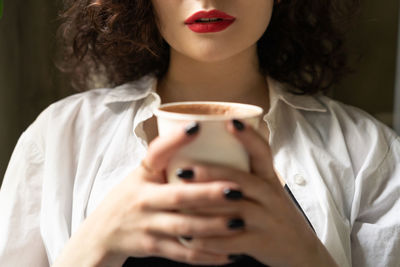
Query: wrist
[88, 249]
[99, 245]
[87, 255]
[315, 254]
[104, 258]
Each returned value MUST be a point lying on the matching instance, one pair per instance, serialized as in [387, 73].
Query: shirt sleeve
[20, 204]
[376, 226]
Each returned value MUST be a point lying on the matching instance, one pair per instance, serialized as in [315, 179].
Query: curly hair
[303, 45]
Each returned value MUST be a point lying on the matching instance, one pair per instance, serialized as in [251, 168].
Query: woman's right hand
[140, 217]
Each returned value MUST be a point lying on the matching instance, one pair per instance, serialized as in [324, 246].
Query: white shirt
[341, 165]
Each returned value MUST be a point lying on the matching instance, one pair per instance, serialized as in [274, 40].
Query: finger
[171, 248]
[250, 190]
[254, 215]
[186, 224]
[250, 186]
[186, 196]
[236, 244]
[163, 148]
[257, 148]
[214, 210]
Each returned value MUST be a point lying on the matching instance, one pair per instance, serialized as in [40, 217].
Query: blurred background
[29, 81]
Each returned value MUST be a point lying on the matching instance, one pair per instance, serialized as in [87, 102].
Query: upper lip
[216, 14]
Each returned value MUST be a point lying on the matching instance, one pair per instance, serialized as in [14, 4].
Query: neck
[235, 79]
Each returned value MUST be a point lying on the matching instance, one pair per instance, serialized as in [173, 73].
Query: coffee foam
[208, 109]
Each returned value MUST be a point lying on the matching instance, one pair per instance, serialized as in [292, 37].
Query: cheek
[170, 20]
[258, 15]
[167, 13]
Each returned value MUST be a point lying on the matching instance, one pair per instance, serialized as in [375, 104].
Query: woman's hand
[275, 232]
[139, 217]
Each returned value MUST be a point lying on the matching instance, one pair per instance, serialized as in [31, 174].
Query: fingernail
[236, 224]
[232, 194]
[238, 125]
[235, 257]
[187, 238]
[192, 128]
[185, 174]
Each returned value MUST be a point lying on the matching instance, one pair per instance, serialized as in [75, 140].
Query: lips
[209, 21]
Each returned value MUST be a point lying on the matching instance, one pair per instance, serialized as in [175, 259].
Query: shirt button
[299, 179]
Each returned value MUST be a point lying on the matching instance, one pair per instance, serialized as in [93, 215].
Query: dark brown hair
[303, 45]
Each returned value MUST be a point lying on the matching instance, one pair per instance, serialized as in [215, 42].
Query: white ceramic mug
[214, 144]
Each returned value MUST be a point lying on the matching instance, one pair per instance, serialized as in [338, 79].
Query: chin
[213, 52]
[212, 57]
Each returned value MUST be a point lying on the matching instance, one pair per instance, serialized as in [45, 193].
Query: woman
[86, 186]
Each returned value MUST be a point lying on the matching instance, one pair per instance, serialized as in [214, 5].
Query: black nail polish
[185, 174]
[232, 194]
[235, 257]
[238, 125]
[187, 238]
[192, 128]
[236, 223]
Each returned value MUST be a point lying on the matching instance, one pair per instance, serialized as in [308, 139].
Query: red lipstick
[209, 21]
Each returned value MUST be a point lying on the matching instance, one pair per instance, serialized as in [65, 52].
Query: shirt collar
[146, 85]
[281, 91]
[132, 91]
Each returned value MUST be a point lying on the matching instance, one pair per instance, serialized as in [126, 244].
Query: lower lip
[210, 26]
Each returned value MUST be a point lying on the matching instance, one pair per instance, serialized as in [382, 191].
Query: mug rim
[258, 111]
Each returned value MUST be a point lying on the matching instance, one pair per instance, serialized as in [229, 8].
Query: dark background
[29, 82]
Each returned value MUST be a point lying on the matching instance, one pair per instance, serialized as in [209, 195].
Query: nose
[209, 4]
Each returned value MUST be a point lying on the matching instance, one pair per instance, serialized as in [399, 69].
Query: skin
[214, 66]
[219, 66]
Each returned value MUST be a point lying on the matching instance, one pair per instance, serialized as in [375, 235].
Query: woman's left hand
[274, 232]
